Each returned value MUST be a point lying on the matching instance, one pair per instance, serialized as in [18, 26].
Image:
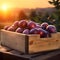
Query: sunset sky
[25, 3]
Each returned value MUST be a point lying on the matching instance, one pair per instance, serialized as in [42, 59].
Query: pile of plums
[31, 27]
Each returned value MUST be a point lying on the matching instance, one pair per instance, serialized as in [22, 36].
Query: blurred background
[36, 10]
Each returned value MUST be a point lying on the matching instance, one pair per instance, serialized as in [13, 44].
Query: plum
[44, 25]
[15, 27]
[43, 33]
[33, 31]
[19, 30]
[26, 31]
[38, 25]
[11, 28]
[16, 23]
[40, 31]
[6, 27]
[31, 24]
[51, 29]
[22, 24]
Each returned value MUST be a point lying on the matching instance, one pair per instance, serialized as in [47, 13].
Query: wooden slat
[40, 56]
[43, 44]
[13, 40]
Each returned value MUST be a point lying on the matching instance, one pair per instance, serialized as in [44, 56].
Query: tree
[22, 15]
[45, 18]
[57, 13]
[33, 16]
[56, 3]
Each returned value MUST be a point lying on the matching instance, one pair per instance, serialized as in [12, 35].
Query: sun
[4, 7]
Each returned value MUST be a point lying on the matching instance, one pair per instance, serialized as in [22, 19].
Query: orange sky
[26, 3]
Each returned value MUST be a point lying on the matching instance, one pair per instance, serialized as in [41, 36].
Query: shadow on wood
[4, 56]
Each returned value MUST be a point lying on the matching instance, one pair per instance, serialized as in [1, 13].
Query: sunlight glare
[4, 7]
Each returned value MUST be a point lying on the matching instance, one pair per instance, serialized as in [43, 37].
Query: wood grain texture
[19, 42]
[13, 40]
[8, 54]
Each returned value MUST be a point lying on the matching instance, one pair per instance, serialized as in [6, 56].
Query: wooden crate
[29, 43]
[0, 36]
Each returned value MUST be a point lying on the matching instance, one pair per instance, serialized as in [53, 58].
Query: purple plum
[16, 23]
[19, 30]
[33, 31]
[11, 28]
[23, 24]
[26, 31]
[31, 24]
[51, 29]
[6, 27]
[44, 25]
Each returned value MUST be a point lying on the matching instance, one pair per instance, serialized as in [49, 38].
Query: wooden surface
[9, 54]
